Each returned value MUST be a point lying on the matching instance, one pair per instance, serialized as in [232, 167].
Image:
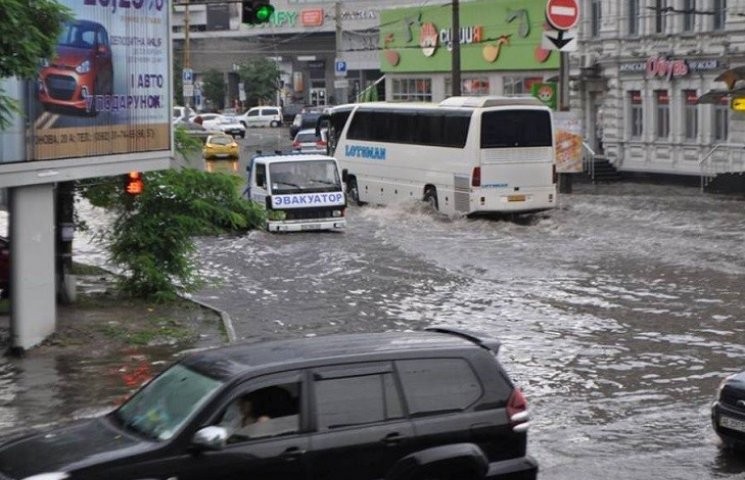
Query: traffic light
[256, 11]
[133, 183]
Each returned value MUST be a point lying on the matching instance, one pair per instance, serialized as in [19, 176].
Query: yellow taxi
[219, 147]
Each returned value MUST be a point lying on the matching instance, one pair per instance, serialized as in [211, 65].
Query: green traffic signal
[263, 13]
[257, 11]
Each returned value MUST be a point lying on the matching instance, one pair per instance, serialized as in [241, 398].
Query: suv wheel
[274, 124]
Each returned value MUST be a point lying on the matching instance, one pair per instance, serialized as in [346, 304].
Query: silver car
[306, 141]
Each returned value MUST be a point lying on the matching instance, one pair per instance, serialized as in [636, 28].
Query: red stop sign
[562, 14]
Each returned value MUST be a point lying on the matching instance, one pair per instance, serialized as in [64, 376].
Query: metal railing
[722, 158]
[588, 160]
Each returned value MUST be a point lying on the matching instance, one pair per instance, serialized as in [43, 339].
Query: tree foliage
[152, 235]
[178, 81]
[260, 77]
[29, 34]
[213, 88]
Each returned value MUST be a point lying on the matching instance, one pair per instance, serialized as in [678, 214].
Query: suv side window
[438, 385]
[356, 400]
[253, 113]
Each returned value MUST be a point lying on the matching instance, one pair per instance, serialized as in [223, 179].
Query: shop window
[412, 89]
[595, 18]
[720, 14]
[689, 18]
[637, 114]
[633, 17]
[475, 87]
[519, 85]
[690, 112]
[660, 15]
[662, 101]
[721, 120]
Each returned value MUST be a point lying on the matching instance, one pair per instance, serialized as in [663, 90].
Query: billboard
[107, 88]
[494, 36]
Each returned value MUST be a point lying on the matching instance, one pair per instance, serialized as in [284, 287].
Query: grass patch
[154, 332]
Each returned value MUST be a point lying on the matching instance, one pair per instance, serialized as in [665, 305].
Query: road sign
[562, 14]
[188, 90]
[560, 40]
[341, 68]
[187, 76]
[241, 91]
[343, 83]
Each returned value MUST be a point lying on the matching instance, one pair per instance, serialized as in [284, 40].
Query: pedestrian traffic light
[133, 183]
[256, 11]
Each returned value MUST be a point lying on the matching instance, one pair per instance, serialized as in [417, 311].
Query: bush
[151, 237]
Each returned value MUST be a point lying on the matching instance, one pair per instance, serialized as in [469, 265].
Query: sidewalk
[101, 320]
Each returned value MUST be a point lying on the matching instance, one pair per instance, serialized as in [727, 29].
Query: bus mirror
[344, 175]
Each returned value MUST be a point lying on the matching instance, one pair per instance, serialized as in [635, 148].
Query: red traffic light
[134, 185]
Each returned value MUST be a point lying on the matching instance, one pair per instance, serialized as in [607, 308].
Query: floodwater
[619, 313]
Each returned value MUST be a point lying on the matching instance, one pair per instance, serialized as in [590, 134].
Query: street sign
[241, 91]
[341, 68]
[343, 83]
[562, 14]
[563, 41]
[187, 76]
[188, 90]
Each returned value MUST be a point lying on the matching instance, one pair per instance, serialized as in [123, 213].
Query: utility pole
[455, 39]
[339, 93]
[187, 60]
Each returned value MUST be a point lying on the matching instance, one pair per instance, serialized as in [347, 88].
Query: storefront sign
[509, 40]
[663, 67]
[312, 17]
[359, 14]
[546, 93]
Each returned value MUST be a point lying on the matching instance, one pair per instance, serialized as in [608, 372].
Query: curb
[227, 322]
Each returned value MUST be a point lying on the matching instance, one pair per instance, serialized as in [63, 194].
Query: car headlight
[277, 215]
[84, 67]
[337, 213]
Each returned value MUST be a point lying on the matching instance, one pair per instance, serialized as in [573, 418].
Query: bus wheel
[353, 192]
[430, 197]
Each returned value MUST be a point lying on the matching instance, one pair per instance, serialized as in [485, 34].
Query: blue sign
[308, 200]
[341, 66]
[188, 75]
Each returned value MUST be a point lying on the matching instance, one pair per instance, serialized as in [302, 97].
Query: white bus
[465, 155]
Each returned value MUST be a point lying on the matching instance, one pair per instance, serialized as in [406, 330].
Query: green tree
[152, 234]
[260, 77]
[30, 31]
[178, 81]
[213, 88]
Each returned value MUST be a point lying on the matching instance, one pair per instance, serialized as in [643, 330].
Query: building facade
[501, 49]
[640, 69]
[305, 38]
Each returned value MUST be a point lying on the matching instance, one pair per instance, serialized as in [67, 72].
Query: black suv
[728, 411]
[417, 405]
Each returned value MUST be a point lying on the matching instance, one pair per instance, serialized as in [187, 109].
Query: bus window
[516, 128]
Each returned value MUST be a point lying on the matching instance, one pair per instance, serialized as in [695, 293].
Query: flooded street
[619, 313]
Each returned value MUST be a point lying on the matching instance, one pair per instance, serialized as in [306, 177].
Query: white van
[299, 191]
[262, 117]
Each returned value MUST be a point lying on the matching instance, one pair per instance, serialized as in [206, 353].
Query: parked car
[224, 123]
[304, 121]
[399, 405]
[81, 68]
[306, 141]
[289, 111]
[220, 146]
[196, 130]
[4, 267]
[183, 114]
[261, 117]
[728, 412]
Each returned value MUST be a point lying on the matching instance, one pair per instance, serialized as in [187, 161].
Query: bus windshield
[304, 176]
[515, 129]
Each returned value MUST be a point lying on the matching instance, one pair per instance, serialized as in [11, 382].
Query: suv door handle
[393, 438]
[292, 454]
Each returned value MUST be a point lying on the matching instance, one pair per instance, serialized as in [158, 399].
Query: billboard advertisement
[106, 90]
[568, 132]
[494, 36]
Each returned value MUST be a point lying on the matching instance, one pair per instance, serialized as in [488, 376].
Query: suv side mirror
[211, 438]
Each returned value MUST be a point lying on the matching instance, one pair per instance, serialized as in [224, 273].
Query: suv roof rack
[483, 341]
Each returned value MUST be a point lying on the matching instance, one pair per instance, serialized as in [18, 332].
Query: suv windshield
[79, 35]
[306, 177]
[164, 405]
